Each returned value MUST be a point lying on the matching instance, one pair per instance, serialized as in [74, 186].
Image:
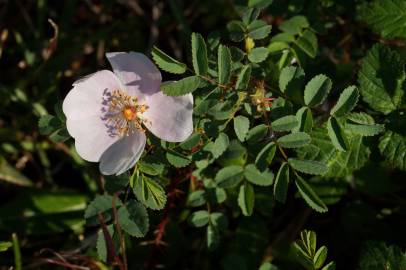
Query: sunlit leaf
[224, 64]
[280, 188]
[199, 54]
[246, 199]
[308, 194]
[149, 192]
[167, 63]
[241, 126]
[133, 218]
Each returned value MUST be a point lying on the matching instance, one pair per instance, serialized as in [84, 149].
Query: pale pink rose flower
[107, 113]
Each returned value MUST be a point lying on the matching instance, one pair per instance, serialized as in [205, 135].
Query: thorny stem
[120, 233]
[111, 254]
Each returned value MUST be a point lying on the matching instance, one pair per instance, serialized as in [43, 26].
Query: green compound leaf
[346, 102]
[340, 163]
[176, 159]
[305, 118]
[361, 118]
[258, 55]
[336, 134]
[258, 29]
[48, 124]
[149, 192]
[237, 55]
[256, 133]
[285, 123]
[60, 135]
[364, 130]
[294, 25]
[243, 78]
[147, 168]
[393, 147]
[250, 15]
[102, 204]
[183, 86]
[241, 127]
[236, 154]
[216, 195]
[265, 156]
[307, 42]
[196, 198]
[330, 266]
[133, 218]
[254, 176]
[229, 176]
[308, 194]
[224, 64]
[280, 189]
[291, 82]
[53, 127]
[317, 90]
[199, 54]
[386, 17]
[219, 220]
[220, 145]
[381, 79]
[294, 140]
[191, 142]
[246, 199]
[236, 30]
[308, 166]
[320, 257]
[199, 218]
[167, 63]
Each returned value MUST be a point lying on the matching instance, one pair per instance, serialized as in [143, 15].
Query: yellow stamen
[123, 114]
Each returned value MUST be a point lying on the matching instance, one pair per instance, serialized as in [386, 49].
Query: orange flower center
[130, 113]
[123, 114]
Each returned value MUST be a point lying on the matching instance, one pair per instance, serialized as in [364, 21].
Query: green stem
[17, 252]
[286, 159]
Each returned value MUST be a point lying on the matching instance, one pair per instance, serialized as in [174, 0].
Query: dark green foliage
[297, 128]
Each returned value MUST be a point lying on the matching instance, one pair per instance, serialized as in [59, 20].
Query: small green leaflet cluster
[131, 215]
[308, 255]
[54, 126]
[296, 41]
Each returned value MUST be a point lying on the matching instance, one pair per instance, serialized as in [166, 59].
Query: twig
[120, 234]
[111, 254]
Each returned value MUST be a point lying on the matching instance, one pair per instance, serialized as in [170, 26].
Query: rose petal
[169, 118]
[138, 74]
[82, 107]
[123, 154]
